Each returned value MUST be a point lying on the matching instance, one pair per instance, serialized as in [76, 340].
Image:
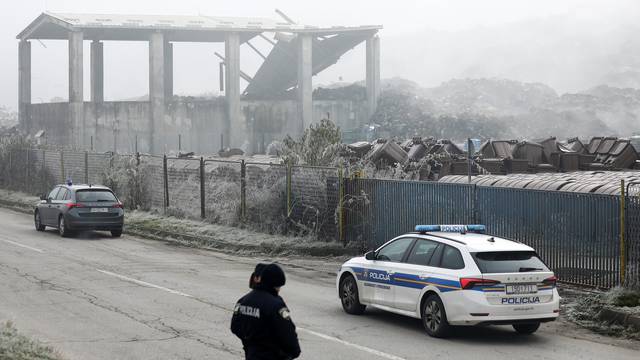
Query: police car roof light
[475, 228]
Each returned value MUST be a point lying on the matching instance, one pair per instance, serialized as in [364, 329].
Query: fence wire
[577, 234]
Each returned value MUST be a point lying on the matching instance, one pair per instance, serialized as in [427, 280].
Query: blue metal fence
[378, 210]
[577, 234]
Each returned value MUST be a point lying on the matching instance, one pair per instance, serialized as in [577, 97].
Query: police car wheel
[349, 296]
[434, 317]
[526, 329]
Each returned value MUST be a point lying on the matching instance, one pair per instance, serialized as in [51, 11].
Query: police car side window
[451, 258]
[437, 255]
[61, 194]
[422, 252]
[394, 251]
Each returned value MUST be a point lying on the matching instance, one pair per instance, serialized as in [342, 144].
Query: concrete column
[168, 71]
[97, 71]
[373, 74]
[305, 85]
[76, 87]
[24, 84]
[156, 92]
[235, 129]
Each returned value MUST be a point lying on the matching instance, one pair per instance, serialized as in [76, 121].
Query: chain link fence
[580, 235]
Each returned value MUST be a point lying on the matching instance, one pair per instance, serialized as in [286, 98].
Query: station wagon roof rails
[437, 236]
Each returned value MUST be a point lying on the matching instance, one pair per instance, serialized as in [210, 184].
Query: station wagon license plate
[518, 289]
[99, 210]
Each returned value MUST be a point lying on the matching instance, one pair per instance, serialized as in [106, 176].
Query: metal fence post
[62, 165]
[289, 189]
[86, 167]
[165, 177]
[10, 172]
[27, 181]
[203, 213]
[341, 237]
[243, 190]
[42, 175]
[623, 253]
[474, 205]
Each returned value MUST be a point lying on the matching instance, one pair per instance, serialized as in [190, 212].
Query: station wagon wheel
[62, 228]
[349, 296]
[38, 222]
[434, 317]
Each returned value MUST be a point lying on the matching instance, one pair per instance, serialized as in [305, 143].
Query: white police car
[453, 275]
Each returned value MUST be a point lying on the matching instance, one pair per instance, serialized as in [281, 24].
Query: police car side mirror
[43, 197]
[371, 255]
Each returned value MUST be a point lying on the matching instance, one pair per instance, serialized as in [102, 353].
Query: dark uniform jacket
[262, 321]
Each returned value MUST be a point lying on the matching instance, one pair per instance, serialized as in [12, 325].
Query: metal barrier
[378, 210]
[587, 239]
[576, 234]
[632, 235]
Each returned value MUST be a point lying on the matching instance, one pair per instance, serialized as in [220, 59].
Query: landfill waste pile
[430, 159]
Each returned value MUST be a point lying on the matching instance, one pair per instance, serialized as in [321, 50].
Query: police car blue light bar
[475, 228]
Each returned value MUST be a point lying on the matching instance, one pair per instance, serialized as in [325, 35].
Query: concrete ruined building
[277, 100]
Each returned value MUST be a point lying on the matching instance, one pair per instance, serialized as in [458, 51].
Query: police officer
[262, 321]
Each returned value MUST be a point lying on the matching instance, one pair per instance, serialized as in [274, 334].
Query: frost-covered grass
[18, 199]
[14, 346]
[586, 309]
[204, 234]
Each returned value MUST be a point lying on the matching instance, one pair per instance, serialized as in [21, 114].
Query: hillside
[494, 107]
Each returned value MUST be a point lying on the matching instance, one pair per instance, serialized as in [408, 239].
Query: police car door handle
[391, 272]
[423, 276]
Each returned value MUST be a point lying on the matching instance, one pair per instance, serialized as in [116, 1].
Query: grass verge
[14, 346]
[587, 311]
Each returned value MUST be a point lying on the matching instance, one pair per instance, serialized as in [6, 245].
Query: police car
[450, 275]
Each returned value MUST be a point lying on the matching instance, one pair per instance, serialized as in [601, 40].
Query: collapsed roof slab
[278, 72]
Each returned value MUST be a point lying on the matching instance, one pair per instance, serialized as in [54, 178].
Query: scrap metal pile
[430, 159]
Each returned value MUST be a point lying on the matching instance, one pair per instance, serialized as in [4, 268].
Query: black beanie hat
[272, 276]
[258, 270]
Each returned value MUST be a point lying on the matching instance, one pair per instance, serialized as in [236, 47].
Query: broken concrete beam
[389, 152]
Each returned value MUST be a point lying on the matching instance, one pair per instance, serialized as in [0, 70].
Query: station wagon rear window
[508, 262]
[95, 196]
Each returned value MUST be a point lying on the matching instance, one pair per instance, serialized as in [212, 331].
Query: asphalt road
[94, 297]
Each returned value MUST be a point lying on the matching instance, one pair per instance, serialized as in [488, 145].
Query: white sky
[397, 16]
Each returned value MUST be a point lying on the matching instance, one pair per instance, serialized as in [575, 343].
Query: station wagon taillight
[118, 205]
[469, 283]
[73, 205]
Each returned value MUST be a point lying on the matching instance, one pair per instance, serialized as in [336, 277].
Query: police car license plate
[99, 210]
[518, 289]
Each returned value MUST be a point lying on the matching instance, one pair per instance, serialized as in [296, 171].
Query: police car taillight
[470, 283]
[550, 281]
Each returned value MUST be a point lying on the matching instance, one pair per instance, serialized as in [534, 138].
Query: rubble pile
[429, 159]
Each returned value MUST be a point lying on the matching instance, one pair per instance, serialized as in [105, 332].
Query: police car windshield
[508, 262]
